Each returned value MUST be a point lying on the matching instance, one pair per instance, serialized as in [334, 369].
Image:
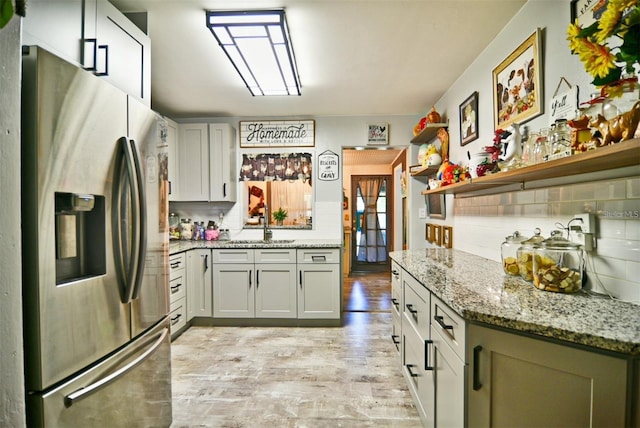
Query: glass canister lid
[515, 238]
[557, 242]
[535, 240]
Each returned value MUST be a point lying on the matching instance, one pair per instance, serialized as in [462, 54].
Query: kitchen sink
[261, 241]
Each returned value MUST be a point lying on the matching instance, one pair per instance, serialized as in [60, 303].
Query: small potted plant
[279, 216]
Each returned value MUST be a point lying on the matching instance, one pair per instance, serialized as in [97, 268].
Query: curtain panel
[276, 167]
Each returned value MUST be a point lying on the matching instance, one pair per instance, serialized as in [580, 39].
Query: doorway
[372, 220]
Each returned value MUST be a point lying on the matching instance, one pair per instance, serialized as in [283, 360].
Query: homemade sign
[277, 133]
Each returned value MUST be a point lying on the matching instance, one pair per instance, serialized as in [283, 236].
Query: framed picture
[428, 232]
[378, 134]
[447, 236]
[435, 205]
[587, 11]
[469, 119]
[517, 84]
[437, 234]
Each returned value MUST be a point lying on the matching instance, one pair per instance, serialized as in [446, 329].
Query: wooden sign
[277, 133]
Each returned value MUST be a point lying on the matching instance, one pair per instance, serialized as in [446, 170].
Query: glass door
[371, 218]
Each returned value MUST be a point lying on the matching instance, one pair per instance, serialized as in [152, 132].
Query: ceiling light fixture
[257, 43]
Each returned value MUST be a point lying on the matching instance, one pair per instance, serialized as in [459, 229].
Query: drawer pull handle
[414, 312]
[410, 370]
[440, 320]
[319, 258]
[395, 273]
[476, 372]
[175, 320]
[395, 339]
[175, 265]
[395, 303]
[175, 288]
[426, 354]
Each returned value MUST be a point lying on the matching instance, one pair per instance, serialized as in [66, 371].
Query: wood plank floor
[345, 376]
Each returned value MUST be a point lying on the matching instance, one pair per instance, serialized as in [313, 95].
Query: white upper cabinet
[222, 163]
[206, 163]
[174, 160]
[96, 36]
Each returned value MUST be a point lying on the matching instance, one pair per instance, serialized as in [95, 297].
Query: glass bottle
[540, 148]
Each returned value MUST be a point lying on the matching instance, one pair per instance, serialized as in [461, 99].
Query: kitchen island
[481, 348]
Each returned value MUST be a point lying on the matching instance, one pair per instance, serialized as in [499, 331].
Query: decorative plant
[279, 215]
[610, 47]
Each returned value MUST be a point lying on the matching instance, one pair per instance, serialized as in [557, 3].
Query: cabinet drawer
[178, 315]
[177, 288]
[281, 255]
[177, 263]
[415, 311]
[449, 325]
[317, 255]
[233, 256]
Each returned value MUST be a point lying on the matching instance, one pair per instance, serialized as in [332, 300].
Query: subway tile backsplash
[482, 222]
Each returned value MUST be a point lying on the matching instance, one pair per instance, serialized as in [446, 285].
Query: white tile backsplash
[481, 223]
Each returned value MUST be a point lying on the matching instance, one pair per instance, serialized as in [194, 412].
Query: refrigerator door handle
[125, 246]
[86, 391]
[141, 219]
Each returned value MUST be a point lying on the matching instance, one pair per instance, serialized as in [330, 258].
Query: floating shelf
[424, 171]
[428, 133]
[620, 155]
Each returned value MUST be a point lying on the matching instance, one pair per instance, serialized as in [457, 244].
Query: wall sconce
[257, 43]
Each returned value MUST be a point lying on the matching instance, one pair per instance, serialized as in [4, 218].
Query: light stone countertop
[180, 246]
[479, 290]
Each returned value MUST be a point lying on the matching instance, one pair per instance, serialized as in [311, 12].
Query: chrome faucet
[267, 233]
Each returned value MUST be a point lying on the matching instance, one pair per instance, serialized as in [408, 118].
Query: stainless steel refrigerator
[95, 251]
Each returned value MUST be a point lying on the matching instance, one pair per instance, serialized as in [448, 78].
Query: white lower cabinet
[415, 355]
[199, 298]
[525, 382]
[319, 293]
[252, 283]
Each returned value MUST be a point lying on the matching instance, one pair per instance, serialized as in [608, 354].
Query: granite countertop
[478, 290]
[180, 246]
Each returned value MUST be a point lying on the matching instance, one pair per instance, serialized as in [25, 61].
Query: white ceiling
[355, 57]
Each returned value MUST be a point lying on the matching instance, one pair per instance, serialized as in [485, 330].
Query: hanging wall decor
[517, 84]
[378, 134]
[277, 133]
[328, 166]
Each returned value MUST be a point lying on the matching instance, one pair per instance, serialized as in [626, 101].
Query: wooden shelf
[428, 133]
[624, 154]
[425, 171]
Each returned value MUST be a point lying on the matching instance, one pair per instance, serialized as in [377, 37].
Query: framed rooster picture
[517, 84]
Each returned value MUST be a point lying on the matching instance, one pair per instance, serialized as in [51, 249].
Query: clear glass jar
[186, 229]
[558, 265]
[561, 137]
[509, 249]
[525, 255]
[528, 155]
[174, 226]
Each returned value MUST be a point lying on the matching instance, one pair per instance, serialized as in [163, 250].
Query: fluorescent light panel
[258, 45]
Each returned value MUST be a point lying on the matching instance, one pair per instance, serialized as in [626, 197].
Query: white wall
[12, 411]
[481, 223]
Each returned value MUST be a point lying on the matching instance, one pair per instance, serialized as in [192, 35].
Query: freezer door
[147, 132]
[73, 307]
[129, 389]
